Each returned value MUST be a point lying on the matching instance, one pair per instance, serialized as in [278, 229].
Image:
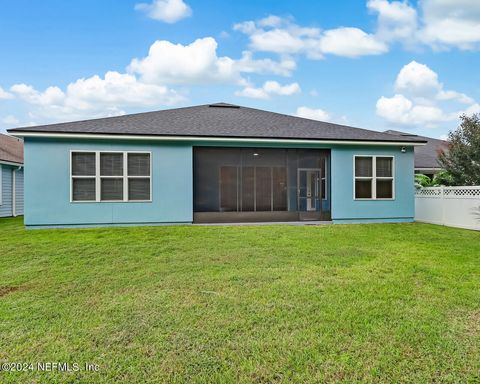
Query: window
[138, 176]
[110, 176]
[83, 176]
[374, 177]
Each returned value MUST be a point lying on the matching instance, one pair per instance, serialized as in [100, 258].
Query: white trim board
[209, 139]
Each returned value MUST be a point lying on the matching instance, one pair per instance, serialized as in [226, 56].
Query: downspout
[14, 191]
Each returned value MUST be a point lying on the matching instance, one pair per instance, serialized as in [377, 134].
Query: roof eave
[25, 133]
[8, 162]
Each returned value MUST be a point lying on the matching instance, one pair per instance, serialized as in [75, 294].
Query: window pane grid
[138, 164]
[111, 164]
[139, 189]
[98, 176]
[83, 163]
[111, 189]
[83, 189]
[374, 177]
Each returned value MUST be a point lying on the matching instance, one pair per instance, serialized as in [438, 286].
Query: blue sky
[375, 64]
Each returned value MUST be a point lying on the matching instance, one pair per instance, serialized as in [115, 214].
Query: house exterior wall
[346, 209]
[47, 184]
[19, 191]
[6, 185]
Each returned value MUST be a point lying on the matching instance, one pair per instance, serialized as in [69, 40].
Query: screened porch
[260, 184]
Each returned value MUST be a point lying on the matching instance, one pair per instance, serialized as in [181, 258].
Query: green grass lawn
[248, 304]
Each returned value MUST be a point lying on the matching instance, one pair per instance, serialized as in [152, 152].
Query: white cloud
[350, 42]
[168, 11]
[147, 82]
[417, 79]
[268, 89]
[282, 36]
[247, 64]
[10, 120]
[451, 23]
[421, 83]
[396, 19]
[176, 63]
[51, 95]
[454, 95]
[198, 63]
[271, 21]
[400, 110]
[420, 99]
[4, 94]
[278, 35]
[94, 96]
[313, 114]
[439, 24]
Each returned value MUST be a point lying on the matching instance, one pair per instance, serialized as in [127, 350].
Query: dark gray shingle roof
[425, 156]
[217, 120]
[11, 149]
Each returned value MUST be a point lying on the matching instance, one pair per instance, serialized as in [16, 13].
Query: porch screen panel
[248, 189]
[228, 189]
[263, 188]
[279, 181]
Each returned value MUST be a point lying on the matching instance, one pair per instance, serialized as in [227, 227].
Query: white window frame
[374, 178]
[98, 177]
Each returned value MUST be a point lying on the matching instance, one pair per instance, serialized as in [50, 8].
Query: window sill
[370, 199]
[111, 201]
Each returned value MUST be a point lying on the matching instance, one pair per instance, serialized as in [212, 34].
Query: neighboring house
[11, 176]
[214, 163]
[426, 156]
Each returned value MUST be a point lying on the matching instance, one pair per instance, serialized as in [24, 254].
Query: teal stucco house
[214, 163]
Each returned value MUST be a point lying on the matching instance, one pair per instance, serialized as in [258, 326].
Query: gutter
[210, 139]
[11, 163]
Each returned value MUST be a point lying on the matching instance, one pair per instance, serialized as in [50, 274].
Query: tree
[462, 160]
[422, 181]
[440, 178]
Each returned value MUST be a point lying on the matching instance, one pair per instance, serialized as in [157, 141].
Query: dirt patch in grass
[472, 323]
[467, 322]
[7, 290]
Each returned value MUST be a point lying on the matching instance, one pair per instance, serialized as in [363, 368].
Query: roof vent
[223, 105]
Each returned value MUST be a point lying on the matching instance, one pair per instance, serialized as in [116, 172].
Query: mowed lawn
[242, 304]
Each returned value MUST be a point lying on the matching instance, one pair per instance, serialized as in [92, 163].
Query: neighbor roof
[11, 149]
[217, 120]
[426, 156]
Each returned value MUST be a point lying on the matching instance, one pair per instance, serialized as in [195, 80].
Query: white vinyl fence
[451, 206]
